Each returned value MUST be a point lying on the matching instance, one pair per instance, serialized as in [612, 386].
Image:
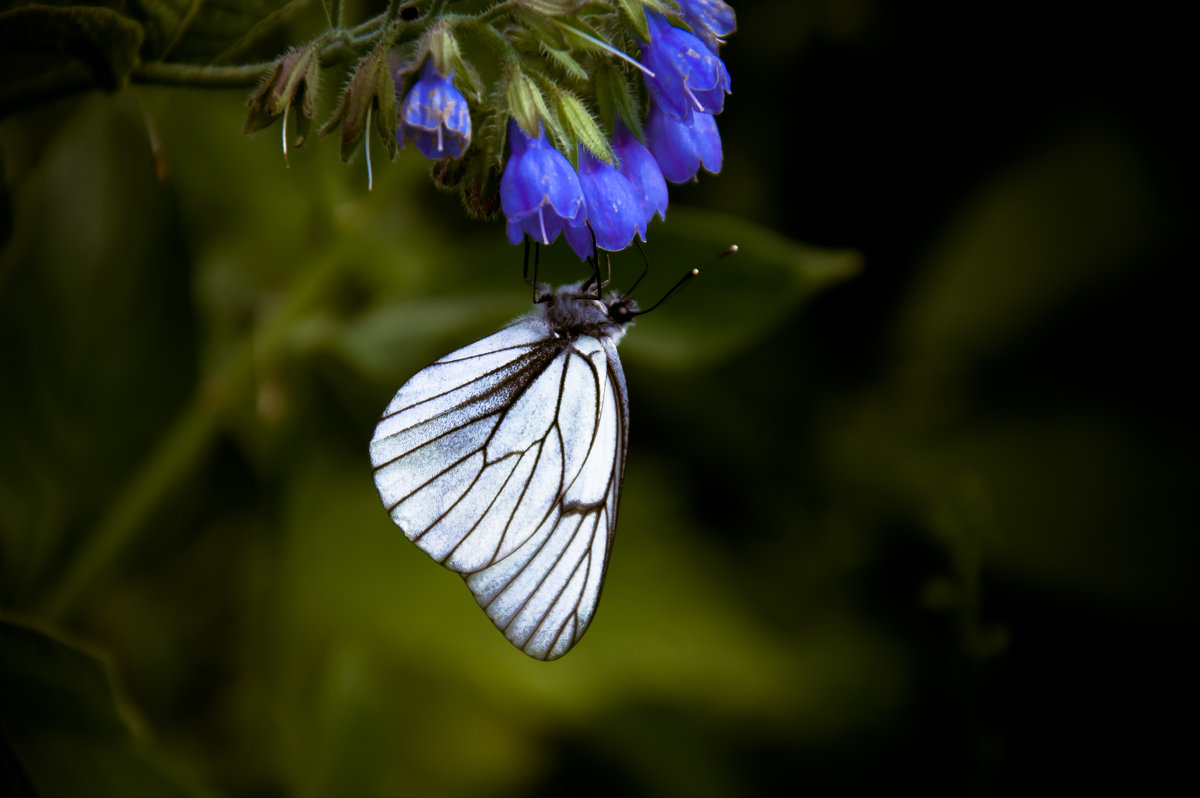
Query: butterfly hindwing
[543, 595]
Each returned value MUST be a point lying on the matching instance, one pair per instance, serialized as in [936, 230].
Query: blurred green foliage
[838, 565]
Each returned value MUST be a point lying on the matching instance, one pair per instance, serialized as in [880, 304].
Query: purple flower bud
[687, 75]
[681, 147]
[643, 173]
[613, 210]
[539, 191]
[434, 116]
[711, 20]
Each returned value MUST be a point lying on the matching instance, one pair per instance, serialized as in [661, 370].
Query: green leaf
[419, 328]
[103, 301]
[44, 50]
[1054, 496]
[1079, 208]
[192, 31]
[59, 706]
[739, 301]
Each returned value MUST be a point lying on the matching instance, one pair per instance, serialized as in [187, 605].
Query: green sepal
[562, 140]
[524, 100]
[492, 135]
[634, 12]
[443, 48]
[469, 81]
[474, 178]
[543, 31]
[385, 109]
[568, 63]
[448, 174]
[616, 99]
[580, 123]
[481, 189]
[579, 34]
[552, 8]
[527, 104]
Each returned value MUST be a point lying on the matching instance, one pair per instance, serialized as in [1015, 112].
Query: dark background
[918, 518]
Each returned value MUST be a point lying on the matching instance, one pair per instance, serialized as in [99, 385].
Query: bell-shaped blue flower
[681, 147]
[539, 191]
[643, 172]
[434, 116]
[687, 75]
[613, 209]
[711, 20]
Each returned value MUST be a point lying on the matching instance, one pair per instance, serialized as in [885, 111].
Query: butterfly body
[503, 461]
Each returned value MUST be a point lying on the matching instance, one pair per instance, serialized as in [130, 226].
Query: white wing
[503, 462]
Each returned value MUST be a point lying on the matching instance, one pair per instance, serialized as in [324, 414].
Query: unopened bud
[293, 81]
[369, 99]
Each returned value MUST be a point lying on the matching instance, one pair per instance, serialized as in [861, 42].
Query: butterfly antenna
[683, 280]
[645, 268]
[537, 256]
[594, 260]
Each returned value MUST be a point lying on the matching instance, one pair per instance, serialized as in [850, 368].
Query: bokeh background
[908, 505]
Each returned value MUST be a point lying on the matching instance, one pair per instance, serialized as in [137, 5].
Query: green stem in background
[181, 449]
[338, 45]
[200, 76]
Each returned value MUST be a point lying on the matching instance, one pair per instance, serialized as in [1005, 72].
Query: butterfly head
[574, 310]
[621, 308]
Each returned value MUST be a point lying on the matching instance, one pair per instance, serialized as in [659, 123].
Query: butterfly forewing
[503, 462]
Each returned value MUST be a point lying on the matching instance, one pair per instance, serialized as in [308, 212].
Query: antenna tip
[733, 248]
[695, 272]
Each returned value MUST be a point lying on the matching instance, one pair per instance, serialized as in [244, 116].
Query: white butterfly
[503, 461]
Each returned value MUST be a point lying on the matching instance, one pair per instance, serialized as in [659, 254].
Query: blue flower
[643, 173]
[711, 20]
[613, 208]
[539, 191]
[681, 147]
[434, 116]
[687, 75]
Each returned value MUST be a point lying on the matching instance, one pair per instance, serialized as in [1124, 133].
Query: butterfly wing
[503, 461]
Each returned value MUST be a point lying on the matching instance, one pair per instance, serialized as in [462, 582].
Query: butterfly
[503, 461]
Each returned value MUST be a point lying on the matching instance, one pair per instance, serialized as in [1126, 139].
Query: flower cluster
[592, 110]
[607, 197]
[687, 83]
